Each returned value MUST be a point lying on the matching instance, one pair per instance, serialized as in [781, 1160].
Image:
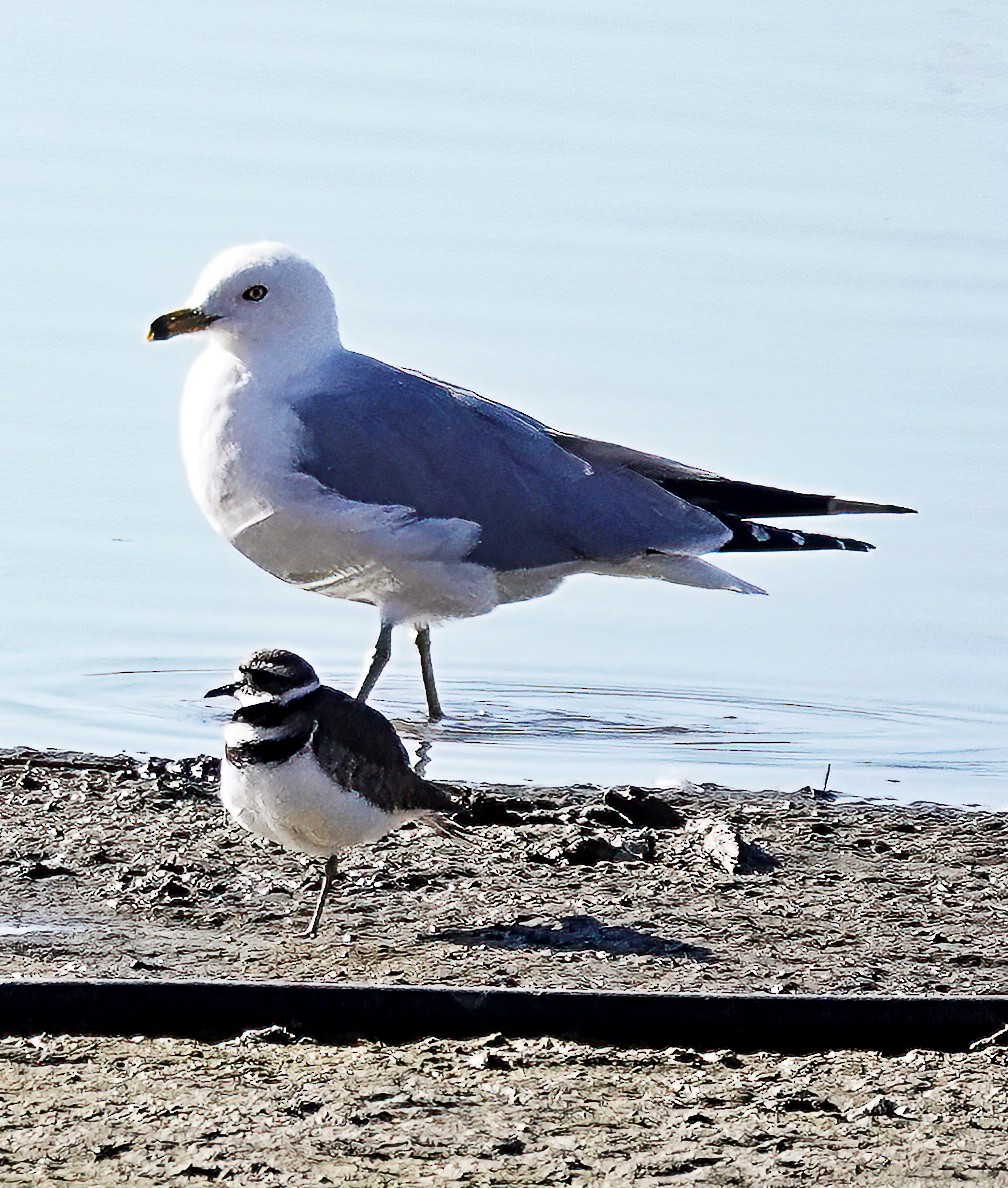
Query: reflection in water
[556, 735]
[692, 719]
[552, 735]
[423, 757]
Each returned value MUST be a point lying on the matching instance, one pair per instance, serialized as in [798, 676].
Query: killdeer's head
[273, 676]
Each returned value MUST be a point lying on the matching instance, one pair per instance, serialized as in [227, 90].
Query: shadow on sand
[572, 934]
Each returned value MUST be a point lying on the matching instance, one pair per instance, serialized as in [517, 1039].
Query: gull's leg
[434, 711]
[327, 880]
[382, 654]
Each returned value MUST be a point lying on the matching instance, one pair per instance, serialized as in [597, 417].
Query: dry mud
[491, 1112]
[120, 868]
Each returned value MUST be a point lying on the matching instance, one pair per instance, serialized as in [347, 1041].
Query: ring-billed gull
[313, 769]
[342, 474]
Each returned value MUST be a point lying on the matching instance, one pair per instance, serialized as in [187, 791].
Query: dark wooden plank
[334, 1013]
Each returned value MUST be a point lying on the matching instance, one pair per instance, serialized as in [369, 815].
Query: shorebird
[347, 476]
[314, 769]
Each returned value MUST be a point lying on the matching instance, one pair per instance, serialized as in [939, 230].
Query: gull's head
[271, 675]
[254, 296]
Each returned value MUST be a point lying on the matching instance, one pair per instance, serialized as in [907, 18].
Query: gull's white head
[260, 295]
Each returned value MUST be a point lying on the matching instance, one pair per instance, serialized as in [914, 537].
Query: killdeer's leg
[434, 711]
[382, 654]
[327, 881]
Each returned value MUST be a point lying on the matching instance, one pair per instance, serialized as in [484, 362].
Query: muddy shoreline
[115, 867]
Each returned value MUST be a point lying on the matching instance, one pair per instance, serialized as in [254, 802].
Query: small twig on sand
[989, 1040]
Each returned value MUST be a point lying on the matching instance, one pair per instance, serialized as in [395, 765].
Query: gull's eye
[255, 293]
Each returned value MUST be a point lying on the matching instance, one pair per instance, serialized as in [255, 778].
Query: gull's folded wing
[385, 437]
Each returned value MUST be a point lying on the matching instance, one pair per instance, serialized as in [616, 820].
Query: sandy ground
[112, 867]
[492, 1112]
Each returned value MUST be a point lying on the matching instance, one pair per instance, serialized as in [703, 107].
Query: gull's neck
[276, 361]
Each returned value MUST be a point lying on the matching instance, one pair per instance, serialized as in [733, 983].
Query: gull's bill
[179, 321]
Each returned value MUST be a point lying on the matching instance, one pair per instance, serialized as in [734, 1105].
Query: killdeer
[313, 768]
[341, 474]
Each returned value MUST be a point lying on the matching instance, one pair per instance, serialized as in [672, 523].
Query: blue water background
[767, 240]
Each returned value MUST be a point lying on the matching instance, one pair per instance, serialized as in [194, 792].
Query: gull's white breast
[238, 443]
[296, 804]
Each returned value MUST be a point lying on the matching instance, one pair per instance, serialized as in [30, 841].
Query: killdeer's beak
[180, 321]
[224, 690]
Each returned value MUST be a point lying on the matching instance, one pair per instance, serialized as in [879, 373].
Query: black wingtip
[752, 537]
[855, 507]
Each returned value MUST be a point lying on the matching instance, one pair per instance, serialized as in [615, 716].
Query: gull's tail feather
[681, 570]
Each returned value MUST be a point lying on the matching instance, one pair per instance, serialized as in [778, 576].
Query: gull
[347, 476]
[314, 769]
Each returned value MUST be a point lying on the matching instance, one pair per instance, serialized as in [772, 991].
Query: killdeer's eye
[268, 681]
[255, 292]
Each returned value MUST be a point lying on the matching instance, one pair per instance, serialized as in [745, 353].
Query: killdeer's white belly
[298, 805]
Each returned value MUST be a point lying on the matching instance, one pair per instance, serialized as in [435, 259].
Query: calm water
[765, 240]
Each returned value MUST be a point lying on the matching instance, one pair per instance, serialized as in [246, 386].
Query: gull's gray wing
[383, 436]
[359, 748]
